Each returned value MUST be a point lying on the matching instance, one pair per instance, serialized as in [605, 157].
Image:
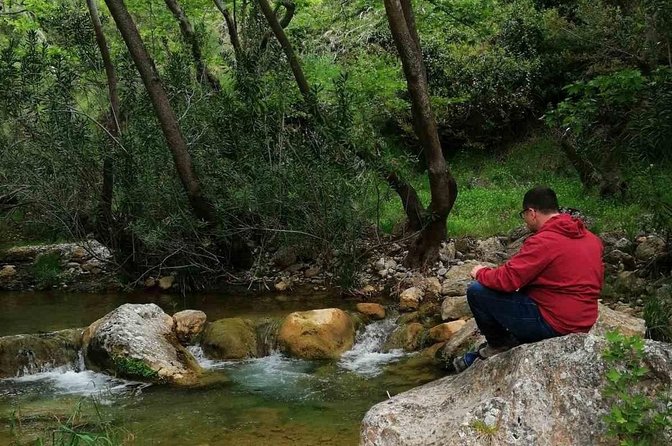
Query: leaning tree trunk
[113, 125]
[286, 45]
[201, 207]
[187, 29]
[232, 27]
[442, 184]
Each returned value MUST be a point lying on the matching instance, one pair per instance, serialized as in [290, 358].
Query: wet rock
[230, 338]
[33, 353]
[317, 334]
[609, 320]
[372, 310]
[651, 247]
[410, 299]
[138, 342]
[150, 282]
[443, 332]
[407, 337]
[188, 325]
[455, 307]
[166, 282]
[547, 393]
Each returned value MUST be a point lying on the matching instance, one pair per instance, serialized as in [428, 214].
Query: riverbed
[274, 400]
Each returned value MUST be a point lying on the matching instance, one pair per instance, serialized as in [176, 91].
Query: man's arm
[520, 270]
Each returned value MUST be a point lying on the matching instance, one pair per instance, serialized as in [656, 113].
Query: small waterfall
[267, 336]
[367, 357]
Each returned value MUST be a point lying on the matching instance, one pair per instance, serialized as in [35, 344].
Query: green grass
[47, 269]
[491, 192]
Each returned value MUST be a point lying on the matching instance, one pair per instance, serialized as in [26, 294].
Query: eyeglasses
[521, 214]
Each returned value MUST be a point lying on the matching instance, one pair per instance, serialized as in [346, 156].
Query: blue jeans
[507, 319]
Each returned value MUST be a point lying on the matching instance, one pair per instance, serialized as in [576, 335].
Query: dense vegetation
[576, 94]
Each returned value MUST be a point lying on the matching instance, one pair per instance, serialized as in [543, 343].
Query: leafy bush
[47, 269]
[635, 418]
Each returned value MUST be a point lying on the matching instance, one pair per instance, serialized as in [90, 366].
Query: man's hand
[476, 269]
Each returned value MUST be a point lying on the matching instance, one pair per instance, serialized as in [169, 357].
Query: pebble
[442, 271]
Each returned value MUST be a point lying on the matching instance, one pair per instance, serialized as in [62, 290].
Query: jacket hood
[566, 225]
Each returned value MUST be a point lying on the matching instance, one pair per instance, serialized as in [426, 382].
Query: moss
[133, 367]
[231, 338]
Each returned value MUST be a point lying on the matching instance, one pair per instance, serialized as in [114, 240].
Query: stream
[273, 400]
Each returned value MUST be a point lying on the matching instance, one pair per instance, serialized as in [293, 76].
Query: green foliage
[635, 418]
[47, 269]
[133, 367]
[658, 314]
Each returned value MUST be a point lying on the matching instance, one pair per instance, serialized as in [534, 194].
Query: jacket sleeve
[521, 269]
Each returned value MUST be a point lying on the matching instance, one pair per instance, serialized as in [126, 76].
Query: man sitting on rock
[549, 288]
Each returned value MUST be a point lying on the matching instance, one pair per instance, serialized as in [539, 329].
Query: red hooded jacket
[560, 268]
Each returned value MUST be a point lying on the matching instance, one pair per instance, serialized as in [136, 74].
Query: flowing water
[274, 400]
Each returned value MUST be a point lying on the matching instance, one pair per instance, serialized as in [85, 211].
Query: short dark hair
[542, 199]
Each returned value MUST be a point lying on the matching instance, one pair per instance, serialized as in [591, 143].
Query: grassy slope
[491, 191]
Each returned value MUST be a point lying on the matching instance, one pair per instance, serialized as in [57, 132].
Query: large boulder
[139, 342]
[317, 334]
[230, 338]
[550, 393]
[32, 353]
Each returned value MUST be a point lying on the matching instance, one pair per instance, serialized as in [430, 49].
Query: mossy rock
[409, 337]
[231, 338]
[34, 352]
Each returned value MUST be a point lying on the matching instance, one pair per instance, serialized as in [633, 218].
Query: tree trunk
[412, 204]
[232, 27]
[442, 184]
[205, 77]
[290, 7]
[588, 174]
[112, 124]
[201, 207]
[286, 45]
